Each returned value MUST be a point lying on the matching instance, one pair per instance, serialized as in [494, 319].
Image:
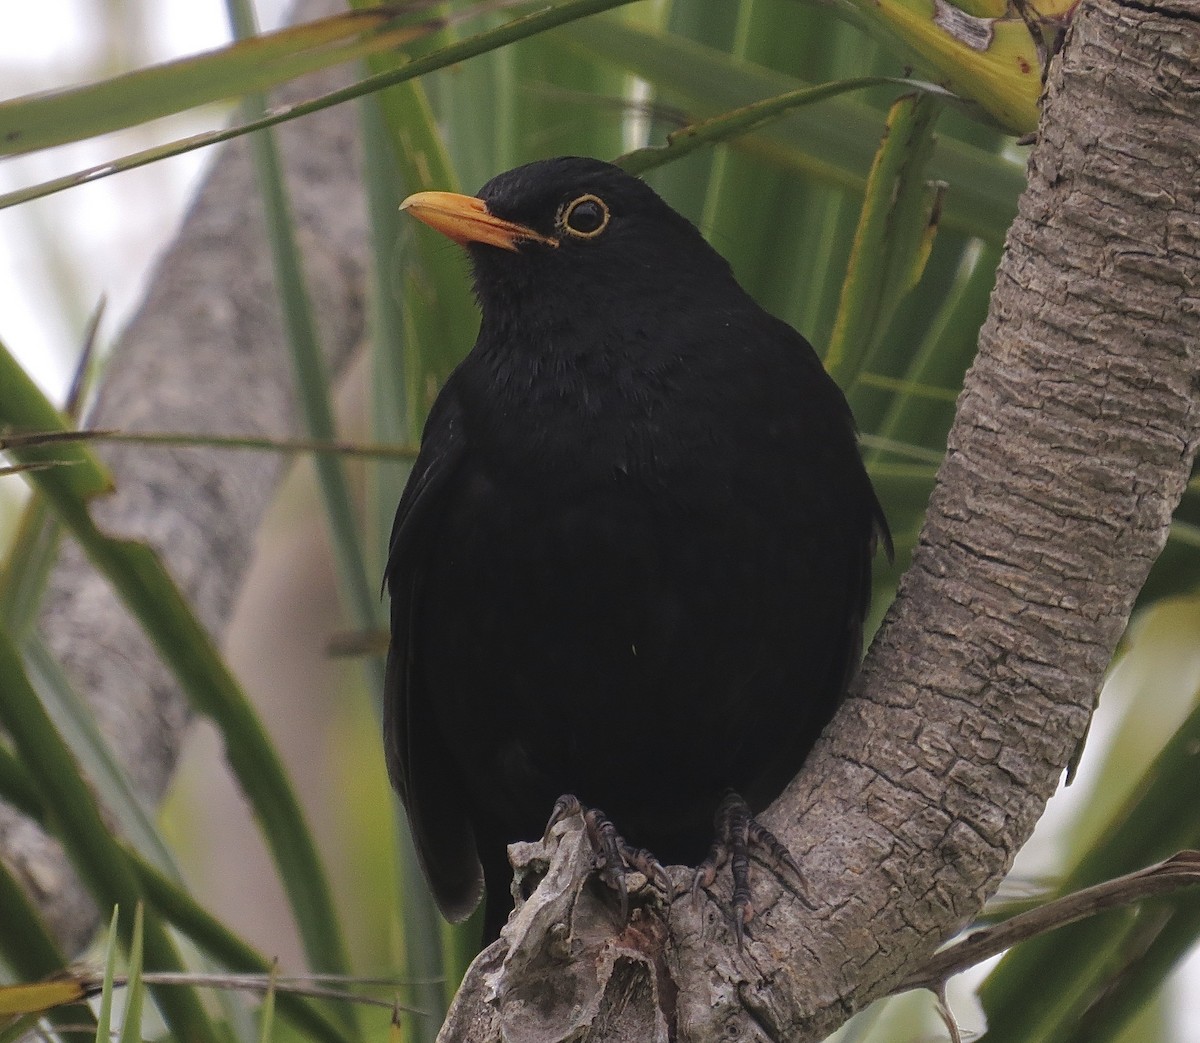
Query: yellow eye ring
[585, 217]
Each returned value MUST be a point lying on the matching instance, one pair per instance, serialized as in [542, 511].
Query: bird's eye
[585, 217]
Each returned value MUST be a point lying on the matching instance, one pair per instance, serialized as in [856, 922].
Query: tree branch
[1074, 439]
[1164, 878]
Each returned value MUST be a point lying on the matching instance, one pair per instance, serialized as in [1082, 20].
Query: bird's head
[575, 230]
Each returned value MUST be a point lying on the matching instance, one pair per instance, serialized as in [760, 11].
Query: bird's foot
[737, 831]
[614, 857]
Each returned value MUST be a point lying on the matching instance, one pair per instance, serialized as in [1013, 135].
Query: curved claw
[650, 867]
[609, 848]
[658, 873]
[622, 894]
[736, 831]
[566, 806]
[743, 912]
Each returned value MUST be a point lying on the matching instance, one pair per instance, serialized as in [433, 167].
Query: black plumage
[633, 557]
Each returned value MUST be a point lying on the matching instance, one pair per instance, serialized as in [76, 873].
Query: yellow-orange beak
[465, 219]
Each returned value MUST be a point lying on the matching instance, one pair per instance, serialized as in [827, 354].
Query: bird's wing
[418, 759]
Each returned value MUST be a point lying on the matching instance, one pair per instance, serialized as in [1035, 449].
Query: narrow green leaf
[56, 117]
[27, 946]
[104, 1017]
[76, 723]
[23, 575]
[893, 239]
[89, 842]
[18, 789]
[25, 408]
[432, 327]
[135, 991]
[313, 384]
[267, 1012]
[753, 117]
[390, 397]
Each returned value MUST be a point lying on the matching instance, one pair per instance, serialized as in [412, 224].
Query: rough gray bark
[206, 353]
[1073, 442]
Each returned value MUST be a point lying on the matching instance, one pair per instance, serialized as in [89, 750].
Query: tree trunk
[1074, 440]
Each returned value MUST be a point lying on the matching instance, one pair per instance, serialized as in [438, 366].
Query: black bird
[633, 557]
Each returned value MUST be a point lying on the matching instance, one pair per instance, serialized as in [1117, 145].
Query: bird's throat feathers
[604, 401]
[556, 369]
